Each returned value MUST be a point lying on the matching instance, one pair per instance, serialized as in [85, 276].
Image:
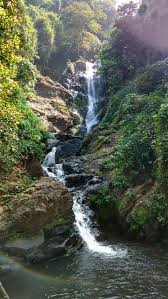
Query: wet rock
[5, 269]
[96, 180]
[72, 166]
[68, 149]
[66, 137]
[75, 82]
[45, 253]
[76, 180]
[52, 142]
[58, 231]
[80, 66]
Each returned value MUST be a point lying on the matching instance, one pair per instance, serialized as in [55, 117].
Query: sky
[119, 2]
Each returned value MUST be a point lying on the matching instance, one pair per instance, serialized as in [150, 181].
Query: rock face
[44, 208]
[33, 167]
[54, 105]
[67, 149]
[72, 166]
[76, 180]
[74, 80]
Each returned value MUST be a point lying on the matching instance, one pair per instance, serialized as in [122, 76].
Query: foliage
[69, 31]
[134, 62]
[21, 133]
[154, 77]
[162, 145]
[26, 72]
[128, 52]
[140, 215]
[159, 207]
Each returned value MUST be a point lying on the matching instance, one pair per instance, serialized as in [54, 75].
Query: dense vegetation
[69, 30]
[21, 133]
[45, 33]
[136, 70]
[133, 134]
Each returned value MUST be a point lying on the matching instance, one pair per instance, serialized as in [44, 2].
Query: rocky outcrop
[72, 166]
[54, 105]
[43, 209]
[76, 180]
[67, 149]
[74, 80]
[33, 166]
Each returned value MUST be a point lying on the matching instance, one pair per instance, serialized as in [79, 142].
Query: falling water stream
[82, 213]
[91, 117]
[60, 5]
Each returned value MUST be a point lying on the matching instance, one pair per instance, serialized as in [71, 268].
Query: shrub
[153, 78]
[162, 145]
[21, 132]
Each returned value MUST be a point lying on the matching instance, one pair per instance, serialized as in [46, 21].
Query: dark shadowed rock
[66, 137]
[33, 167]
[68, 149]
[46, 252]
[52, 142]
[76, 180]
[72, 166]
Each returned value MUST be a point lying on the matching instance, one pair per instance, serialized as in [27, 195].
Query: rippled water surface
[141, 273]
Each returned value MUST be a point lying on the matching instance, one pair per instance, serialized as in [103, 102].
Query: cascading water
[91, 117]
[82, 212]
[51, 169]
[84, 224]
[60, 5]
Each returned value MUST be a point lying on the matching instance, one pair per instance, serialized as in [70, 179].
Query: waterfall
[51, 169]
[91, 117]
[84, 224]
[60, 5]
[81, 211]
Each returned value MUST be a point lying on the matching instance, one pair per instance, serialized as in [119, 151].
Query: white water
[81, 212]
[83, 224]
[60, 5]
[56, 171]
[91, 117]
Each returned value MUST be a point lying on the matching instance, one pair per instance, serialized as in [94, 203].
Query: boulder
[33, 167]
[68, 149]
[39, 205]
[76, 180]
[53, 249]
[52, 142]
[66, 137]
[44, 208]
[80, 66]
[72, 166]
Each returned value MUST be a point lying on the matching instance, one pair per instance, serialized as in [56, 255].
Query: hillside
[131, 141]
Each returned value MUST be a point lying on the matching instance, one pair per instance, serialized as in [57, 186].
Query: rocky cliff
[53, 103]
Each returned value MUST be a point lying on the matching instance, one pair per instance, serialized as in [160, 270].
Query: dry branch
[3, 292]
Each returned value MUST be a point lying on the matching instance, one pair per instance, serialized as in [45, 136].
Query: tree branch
[3, 292]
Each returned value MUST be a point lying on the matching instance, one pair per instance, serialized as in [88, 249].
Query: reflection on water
[142, 274]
